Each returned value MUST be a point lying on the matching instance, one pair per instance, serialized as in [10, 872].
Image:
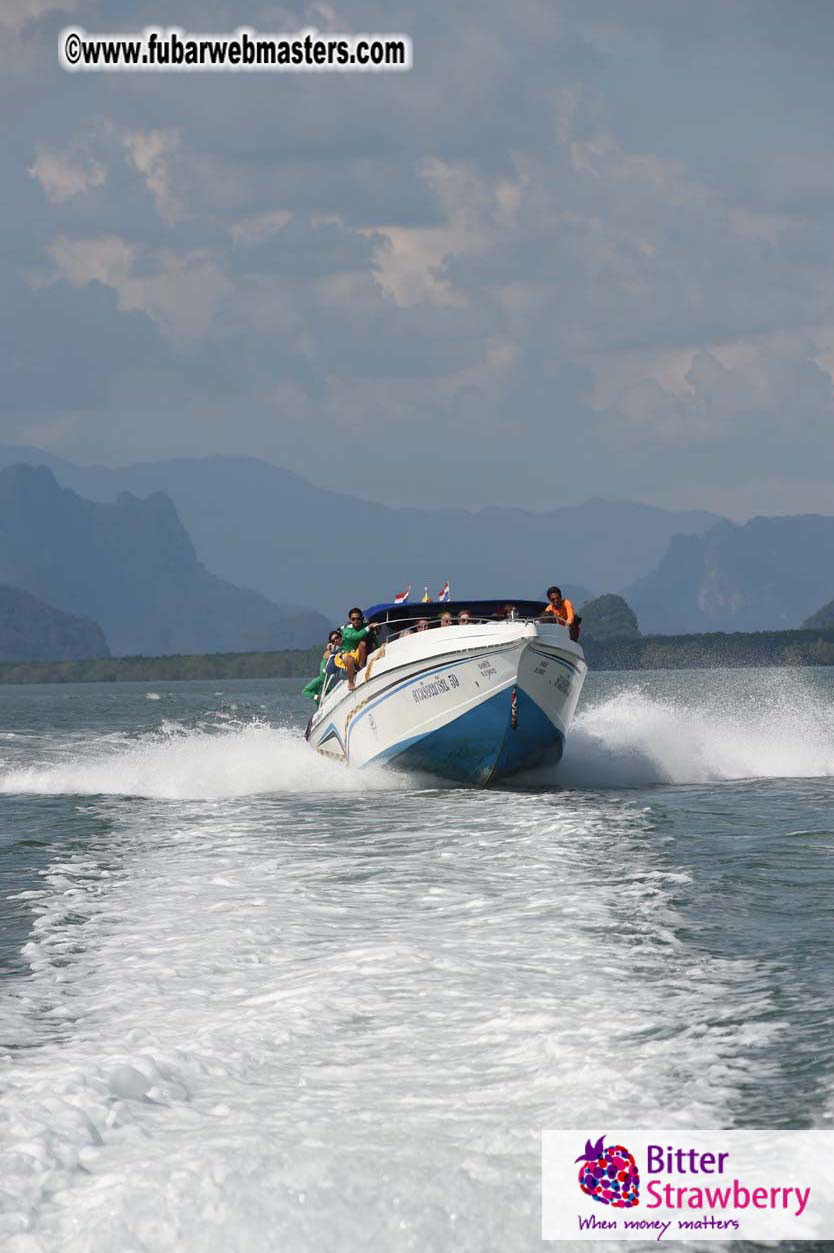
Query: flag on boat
[426, 597]
[443, 594]
[402, 597]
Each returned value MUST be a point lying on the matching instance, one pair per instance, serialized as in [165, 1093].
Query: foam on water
[776, 728]
[272, 1003]
[178, 763]
[252, 1026]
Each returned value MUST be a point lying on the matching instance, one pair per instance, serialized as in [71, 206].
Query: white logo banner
[687, 1185]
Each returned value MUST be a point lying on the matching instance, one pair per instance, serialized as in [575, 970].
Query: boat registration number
[435, 687]
[560, 681]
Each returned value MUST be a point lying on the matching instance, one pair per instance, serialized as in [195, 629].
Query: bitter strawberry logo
[610, 1175]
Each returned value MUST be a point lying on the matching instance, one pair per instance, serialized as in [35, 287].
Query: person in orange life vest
[558, 610]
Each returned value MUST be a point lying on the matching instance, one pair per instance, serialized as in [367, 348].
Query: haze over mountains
[131, 566]
[269, 529]
[257, 525]
[769, 574]
[31, 630]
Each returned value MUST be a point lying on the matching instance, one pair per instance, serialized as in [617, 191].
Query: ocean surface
[252, 1001]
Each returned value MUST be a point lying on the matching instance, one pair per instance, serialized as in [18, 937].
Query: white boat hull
[470, 703]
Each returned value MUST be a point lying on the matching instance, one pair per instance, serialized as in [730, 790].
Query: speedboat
[475, 702]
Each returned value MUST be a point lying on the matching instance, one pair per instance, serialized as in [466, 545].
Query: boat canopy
[412, 609]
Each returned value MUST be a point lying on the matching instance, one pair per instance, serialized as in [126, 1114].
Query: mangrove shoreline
[712, 651]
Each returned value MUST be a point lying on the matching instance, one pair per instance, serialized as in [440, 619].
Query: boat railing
[408, 626]
[390, 630]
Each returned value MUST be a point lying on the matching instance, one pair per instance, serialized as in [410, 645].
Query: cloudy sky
[581, 248]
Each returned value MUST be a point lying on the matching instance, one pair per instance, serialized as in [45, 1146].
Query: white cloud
[106, 260]
[15, 14]
[68, 174]
[255, 229]
[536, 209]
[765, 395]
[153, 154]
[181, 294]
[409, 261]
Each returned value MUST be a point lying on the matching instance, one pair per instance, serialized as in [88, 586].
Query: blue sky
[580, 249]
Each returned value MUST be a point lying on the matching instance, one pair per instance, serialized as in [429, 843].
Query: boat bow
[474, 703]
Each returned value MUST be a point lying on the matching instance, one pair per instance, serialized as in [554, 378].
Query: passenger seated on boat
[509, 613]
[357, 636]
[313, 689]
[357, 640]
[464, 618]
[344, 666]
[422, 624]
[558, 610]
[446, 618]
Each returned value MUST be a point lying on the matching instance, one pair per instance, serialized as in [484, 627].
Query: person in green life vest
[312, 690]
[356, 635]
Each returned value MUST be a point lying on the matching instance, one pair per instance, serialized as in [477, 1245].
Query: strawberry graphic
[610, 1175]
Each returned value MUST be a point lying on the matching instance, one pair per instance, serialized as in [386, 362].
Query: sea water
[252, 1000]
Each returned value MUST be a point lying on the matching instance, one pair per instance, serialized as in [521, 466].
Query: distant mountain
[131, 566]
[823, 618]
[608, 617]
[270, 529]
[766, 575]
[31, 630]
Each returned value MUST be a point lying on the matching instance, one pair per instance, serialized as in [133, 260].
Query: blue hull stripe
[450, 665]
[414, 677]
[409, 682]
[481, 746]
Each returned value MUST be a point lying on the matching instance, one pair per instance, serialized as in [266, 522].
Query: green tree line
[286, 664]
[647, 652]
[713, 650]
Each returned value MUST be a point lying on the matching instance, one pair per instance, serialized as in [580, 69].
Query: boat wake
[182, 763]
[635, 739]
[230, 1018]
[776, 727]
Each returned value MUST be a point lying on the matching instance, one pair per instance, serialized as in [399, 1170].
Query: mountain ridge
[32, 630]
[131, 565]
[266, 526]
[765, 574]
